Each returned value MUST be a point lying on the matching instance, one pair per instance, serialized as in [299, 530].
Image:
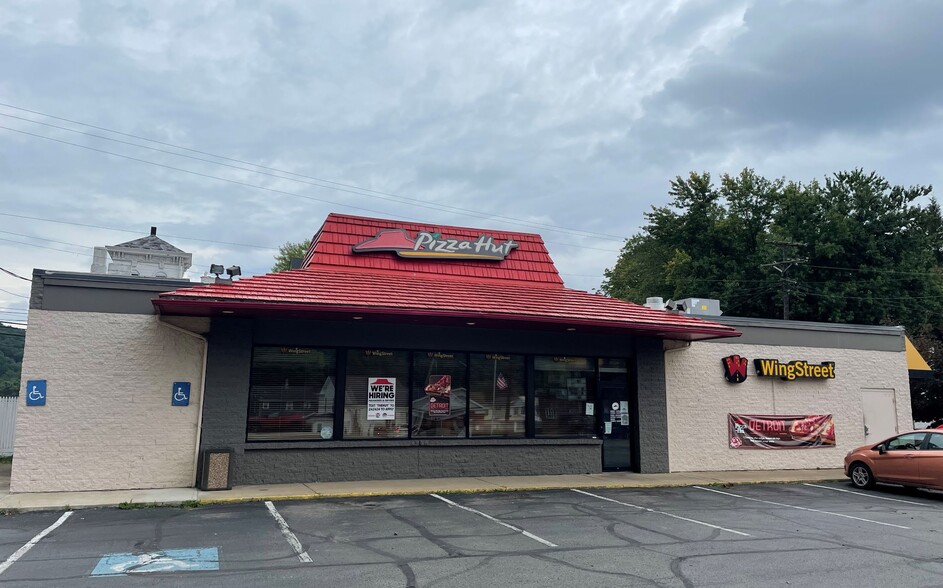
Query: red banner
[780, 432]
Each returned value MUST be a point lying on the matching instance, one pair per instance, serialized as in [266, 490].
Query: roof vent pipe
[153, 231]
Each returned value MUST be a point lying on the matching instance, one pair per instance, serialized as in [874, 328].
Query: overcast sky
[527, 115]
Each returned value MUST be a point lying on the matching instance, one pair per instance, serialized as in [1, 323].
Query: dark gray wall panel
[652, 406]
[78, 292]
[404, 336]
[365, 462]
[227, 385]
[806, 334]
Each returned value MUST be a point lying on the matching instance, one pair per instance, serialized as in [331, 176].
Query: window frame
[248, 411]
[530, 429]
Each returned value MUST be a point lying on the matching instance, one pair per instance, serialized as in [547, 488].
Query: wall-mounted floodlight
[216, 268]
[234, 271]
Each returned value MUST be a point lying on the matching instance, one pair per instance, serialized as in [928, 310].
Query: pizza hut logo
[435, 246]
[735, 368]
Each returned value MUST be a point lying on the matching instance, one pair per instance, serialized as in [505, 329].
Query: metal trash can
[215, 468]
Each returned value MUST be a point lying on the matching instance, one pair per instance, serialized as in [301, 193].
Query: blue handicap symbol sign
[181, 394]
[35, 392]
[169, 560]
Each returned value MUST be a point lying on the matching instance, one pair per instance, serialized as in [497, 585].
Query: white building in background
[149, 257]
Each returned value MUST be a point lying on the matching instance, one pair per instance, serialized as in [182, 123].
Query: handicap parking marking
[782, 504]
[667, 514]
[292, 539]
[170, 560]
[32, 542]
[493, 519]
[866, 495]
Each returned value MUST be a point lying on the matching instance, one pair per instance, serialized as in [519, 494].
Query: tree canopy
[866, 251]
[287, 251]
[11, 356]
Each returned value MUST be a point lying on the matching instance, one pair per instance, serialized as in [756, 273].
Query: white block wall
[699, 399]
[108, 422]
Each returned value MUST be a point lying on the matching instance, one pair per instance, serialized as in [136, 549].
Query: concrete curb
[333, 495]
[199, 500]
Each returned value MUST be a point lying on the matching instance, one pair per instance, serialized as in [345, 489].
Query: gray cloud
[575, 114]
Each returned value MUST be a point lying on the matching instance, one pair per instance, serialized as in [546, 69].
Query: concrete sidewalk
[312, 490]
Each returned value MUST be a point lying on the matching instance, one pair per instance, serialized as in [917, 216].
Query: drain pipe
[199, 420]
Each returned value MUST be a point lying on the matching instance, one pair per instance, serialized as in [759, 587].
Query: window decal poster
[381, 399]
[439, 390]
[780, 432]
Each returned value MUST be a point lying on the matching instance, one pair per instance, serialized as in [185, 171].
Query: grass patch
[136, 505]
[187, 504]
[5, 512]
[6, 459]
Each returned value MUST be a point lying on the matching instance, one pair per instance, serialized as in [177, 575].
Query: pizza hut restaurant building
[397, 350]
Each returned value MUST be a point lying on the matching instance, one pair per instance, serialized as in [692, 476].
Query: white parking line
[289, 536]
[667, 514]
[834, 514]
[32, 542]
[870, 495]
[491, 518]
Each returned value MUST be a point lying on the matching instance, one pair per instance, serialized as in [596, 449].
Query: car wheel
[861, 475]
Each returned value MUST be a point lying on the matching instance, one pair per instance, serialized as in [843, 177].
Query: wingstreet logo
[735, 368]
[773, 368]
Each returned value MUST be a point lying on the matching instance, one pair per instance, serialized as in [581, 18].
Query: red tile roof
[523, 289]
[332, 247]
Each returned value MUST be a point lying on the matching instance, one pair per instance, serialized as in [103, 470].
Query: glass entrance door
[613, 407]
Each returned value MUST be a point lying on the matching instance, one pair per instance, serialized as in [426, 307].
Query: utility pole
[783, 266]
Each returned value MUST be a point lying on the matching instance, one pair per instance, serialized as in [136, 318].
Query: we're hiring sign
[735, 369]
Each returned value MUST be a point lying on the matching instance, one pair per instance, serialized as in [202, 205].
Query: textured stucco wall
[699, 399]
[108, 422]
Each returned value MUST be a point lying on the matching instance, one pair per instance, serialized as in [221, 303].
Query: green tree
[287, 251]
[874, 255]
[11, 358]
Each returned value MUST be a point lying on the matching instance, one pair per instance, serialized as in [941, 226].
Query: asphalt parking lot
[770, 535]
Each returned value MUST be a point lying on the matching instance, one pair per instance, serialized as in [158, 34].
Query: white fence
[7, 424]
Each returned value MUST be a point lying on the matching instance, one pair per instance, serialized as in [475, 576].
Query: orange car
[912, 459]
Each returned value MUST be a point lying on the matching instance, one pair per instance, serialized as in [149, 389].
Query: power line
[339, 186]
[13, 293]
[44, 247]
[133, 231]
[247, 184]
[6, 271]
[876, 270]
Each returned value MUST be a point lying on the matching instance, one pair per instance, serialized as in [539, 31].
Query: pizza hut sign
[434, 246]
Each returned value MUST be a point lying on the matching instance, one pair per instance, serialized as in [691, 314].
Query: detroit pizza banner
[780, 432]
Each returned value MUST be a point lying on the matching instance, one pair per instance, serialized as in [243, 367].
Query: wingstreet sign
[735, 369]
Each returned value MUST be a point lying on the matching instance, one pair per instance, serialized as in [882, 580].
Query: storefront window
[564, 396]
[439, 394]
[376, 398]
[497, 390]
[291, 394]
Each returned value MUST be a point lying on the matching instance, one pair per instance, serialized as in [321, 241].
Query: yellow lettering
[816, 371]
[768, 366]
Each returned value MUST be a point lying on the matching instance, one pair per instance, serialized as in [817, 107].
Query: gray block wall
[652, 406]
[227, 390]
